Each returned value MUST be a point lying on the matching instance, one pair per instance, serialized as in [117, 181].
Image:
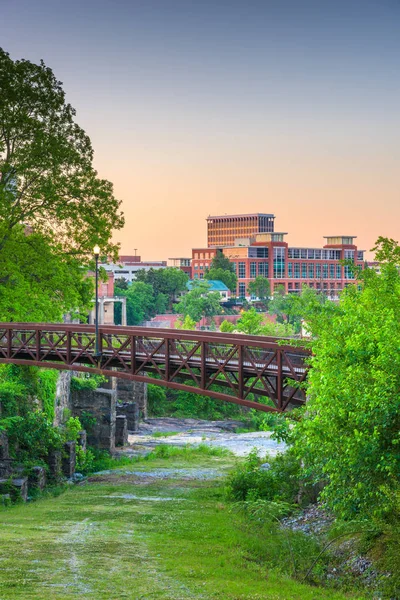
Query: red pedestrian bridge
[258, 372]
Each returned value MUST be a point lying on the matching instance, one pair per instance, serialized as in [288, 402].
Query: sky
[199, 108]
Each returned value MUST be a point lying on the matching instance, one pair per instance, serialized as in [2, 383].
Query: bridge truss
[254, 371]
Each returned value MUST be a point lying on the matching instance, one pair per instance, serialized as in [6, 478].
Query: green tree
[260, 288]
[186, 323]
[227, 327]
[46, 164]
[139, 302]
[220, 261]
[349, 437]
[167, 281]
[221, 269]
[199, 302]
[250, 322]
[38, 282]
[121, 284]
[227, 277]
[53, 206]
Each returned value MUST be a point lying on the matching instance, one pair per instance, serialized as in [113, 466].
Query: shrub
[87, 382]
[282, 482]
[72, 428]
[32, 437]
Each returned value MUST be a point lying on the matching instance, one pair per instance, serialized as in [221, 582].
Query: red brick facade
[267, 254]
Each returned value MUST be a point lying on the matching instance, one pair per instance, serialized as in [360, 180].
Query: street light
[96, 252]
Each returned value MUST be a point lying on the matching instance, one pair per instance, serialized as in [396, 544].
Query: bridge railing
[255, 371]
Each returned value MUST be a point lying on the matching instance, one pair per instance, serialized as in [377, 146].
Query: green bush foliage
[32, 437]
[282, 482]
[349, 436]
[87, 381]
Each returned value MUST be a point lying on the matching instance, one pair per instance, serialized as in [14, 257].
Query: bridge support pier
[101, 403]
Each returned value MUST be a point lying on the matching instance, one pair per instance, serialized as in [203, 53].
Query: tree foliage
[46, 164]
[167, 281]
[141, 302]
[349, 437]
[199, 302]
[53, 206]
[260, 288]
[221, 269]
[220, 261]
[227, 277]
[252, 322]
[38, 283]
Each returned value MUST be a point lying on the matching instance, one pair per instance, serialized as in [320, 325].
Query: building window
[338, 272]
[279, 263]
[253, 270]
[263, 269]
[242, 290]
[318, 271]
[304, 270]
[201, 275]
[325, 271]
[360, 255]
[317, 254]
[348, 274]
[196, 266]
[294, 252]
[242, 270]
[303, 253]
[331, 271]
[290, 270]
[310, 254]
[297, 270]
[349, 255]
[311, 271]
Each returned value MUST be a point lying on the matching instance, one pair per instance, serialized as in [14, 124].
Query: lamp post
[96, 252]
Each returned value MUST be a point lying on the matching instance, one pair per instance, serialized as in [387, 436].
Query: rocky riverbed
[220, 434]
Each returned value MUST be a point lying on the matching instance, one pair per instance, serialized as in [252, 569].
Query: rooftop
[243, 215]
[215, 284]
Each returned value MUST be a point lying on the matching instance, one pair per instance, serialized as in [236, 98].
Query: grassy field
[123, 535]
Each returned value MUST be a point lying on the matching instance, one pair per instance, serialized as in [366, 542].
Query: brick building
[184, 264]
[267, 253]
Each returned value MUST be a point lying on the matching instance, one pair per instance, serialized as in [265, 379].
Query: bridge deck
[235, 368]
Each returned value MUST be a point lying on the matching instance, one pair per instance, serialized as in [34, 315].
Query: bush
[32, 437]
[282, 482]
[87, 382]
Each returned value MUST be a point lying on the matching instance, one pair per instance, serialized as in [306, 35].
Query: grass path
[122, 535]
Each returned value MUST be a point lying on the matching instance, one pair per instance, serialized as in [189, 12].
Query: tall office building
[225, 229]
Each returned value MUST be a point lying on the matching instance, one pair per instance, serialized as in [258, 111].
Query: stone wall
[62, 399]
[133, 391]
[101, 403]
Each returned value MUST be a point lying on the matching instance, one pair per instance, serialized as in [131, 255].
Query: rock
[37, 477]
[5, 499]
[16, 488]
[69, 459]
[55, 461]
[121, 430]
[82, 439]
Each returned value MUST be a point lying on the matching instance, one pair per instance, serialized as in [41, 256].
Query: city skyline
[285, 107]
